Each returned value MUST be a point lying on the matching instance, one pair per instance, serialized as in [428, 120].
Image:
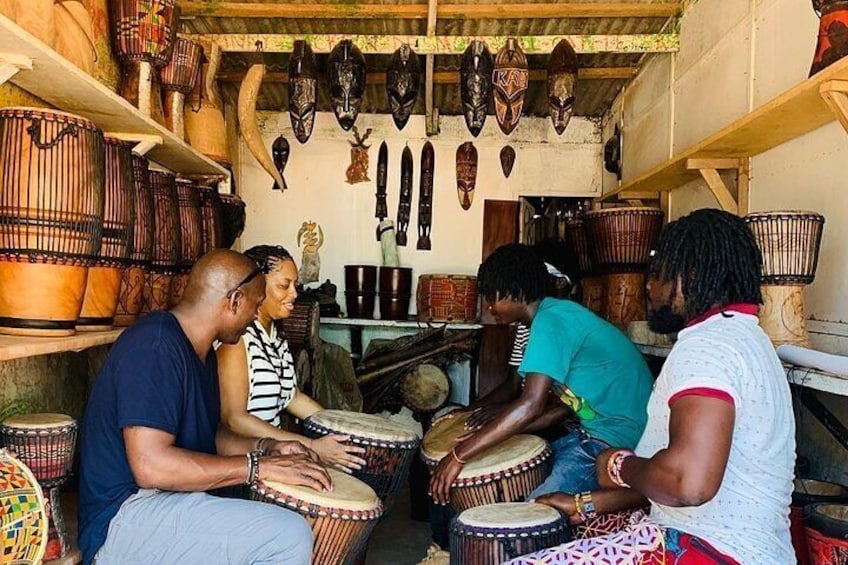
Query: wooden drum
[594, 294]
[51, 218]
[495, 533]
[233, 216]
[191, 237]
[205, 128]
[389, 447]
[425, 388]
[447, 298]
[302, 325]
[211, 216]
[789, 241]
[620, 243]
[179, 78]
[131, 295]
[104, 277]
[441, 437]
[167, 243]
[341, 519]
[23, 520]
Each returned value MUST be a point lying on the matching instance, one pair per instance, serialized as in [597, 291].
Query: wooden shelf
[794, 113]
[62, 84]
[396, 323]
[16, 347]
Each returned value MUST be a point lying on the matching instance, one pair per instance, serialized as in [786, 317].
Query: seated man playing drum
[257, 373]
[716, 459]
[588, 364]
[151, 441]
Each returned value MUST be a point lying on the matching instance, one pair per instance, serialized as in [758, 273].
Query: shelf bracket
[709, 169]
[143, 142]
[11, 63]
[835, 94]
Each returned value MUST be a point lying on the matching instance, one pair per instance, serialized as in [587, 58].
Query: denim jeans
[573, 471]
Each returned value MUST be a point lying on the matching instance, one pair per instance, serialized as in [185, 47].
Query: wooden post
[432, 114]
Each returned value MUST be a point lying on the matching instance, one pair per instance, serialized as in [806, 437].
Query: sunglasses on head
[250, 276]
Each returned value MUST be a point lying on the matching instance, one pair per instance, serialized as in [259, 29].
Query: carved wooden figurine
[425, 197]
[507, 157]
[346, 75]
[405, 198]
[357, 171]
[303, 90]
[476, 85]
[466, 173]
[280, 154]
[562, 76]
[510, 79]
[402, 80]
[310, 236]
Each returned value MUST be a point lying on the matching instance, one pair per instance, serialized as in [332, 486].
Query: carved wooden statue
[476, 85]
[562, 76]
[382, 209]
[402, 80]
[507, 158]
[466, 173]
[280, 154]
[303, 90]
[310, 236]
[425, 197]
[346, 75]
[357, 171]
[510, 80]
[405, 198]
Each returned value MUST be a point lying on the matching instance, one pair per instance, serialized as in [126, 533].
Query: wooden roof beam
[420, 11]
[443, 44]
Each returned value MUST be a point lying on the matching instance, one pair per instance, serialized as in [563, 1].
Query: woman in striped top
[257, 375]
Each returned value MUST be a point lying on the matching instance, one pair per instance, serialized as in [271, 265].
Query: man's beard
[665, 321]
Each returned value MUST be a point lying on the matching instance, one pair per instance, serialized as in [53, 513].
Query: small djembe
[167, 242]
[191, 236]
[179, 77]
[45, 443]
[789, 241]
[594, 296]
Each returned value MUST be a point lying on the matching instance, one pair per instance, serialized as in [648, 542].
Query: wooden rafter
[443, 44]
[431, 112]
[419, 11]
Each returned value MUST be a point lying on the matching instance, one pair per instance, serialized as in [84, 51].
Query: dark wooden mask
[402, 80]
[425, 197]
[346, 75]
[303, 90]
[405, 197]
[280, 154]
[507, 158]
[381, 211]
[562, 76]
[510, 80]
[466, 174]
[476, 85]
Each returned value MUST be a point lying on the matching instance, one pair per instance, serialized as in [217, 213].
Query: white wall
[545, 164]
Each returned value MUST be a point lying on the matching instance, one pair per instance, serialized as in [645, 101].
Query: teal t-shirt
[596, 370]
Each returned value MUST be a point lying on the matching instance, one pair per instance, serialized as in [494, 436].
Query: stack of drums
[45, 443]
[143, 33]
[179, 78]
[389, 447]
[446, 298]
[23, 520]
[191, 237]
[805, 493]
[789, 241]
[51, 218]
[341, 519]
[167, 243]
[104, 276]
[211, 216]
[594, 293]
[360, 290]
[620, 241]
[131, 296]
[395, 292]
[232, 218]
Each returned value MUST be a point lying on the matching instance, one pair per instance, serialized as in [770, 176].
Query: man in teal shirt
[573, 359]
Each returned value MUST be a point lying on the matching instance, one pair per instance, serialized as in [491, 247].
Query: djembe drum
[442, 436]
[395, 291]
[45, 443]
[205, 128]
[826, 526]
[389, 447]
[341, 519]
[191, 237]
[233, 218]
[179, 78]
[23, 519]
[302, 325]
[51, 218]
[495, 533]
[592, 285]
[620, 242]
[143, 34]
[447, 298]
[131, 295]
[789, 241]
[211, 216]
[425, 388]
[360, 290]
[103, 287]
[167, 242]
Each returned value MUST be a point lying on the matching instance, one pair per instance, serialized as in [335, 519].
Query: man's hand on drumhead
[333, 450]
[482, 416]
[562, 502]
[443, 477]
[292, 448]
[295, 470]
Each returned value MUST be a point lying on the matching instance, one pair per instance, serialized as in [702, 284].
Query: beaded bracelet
[258, 446]
[614, 464]
[588, 504]
[252, 467]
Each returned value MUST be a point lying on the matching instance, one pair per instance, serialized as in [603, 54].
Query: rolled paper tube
[388, 243]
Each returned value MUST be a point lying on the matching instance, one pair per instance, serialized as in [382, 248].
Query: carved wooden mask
[476, 85]
[425, 197]
[280, 154]
[507, 158]
[402, 80]
[466, 174]
[562, 76]
[382, 210]
[303, 90]
[405, 198]
[510, 80]
[346, 70]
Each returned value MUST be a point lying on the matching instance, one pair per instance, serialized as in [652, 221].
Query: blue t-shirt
[151, 378]
[596, 370]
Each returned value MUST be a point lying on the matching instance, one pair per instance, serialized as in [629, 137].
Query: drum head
[23, 519]
[442, 435]
[508, 515]
[506, 455]
[348, 493]
[39, 421]
[366, 426]
[425, 388]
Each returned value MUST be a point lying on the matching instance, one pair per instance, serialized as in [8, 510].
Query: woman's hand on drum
[295, 470]
[333, 451]
[289, 448]
[564, 503]
[443, 477]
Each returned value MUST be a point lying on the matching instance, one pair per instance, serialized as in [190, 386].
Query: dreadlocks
[268, 256]
[715, 256]
[513, 271]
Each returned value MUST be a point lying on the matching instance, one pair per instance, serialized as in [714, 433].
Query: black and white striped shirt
[519, 344]
[273, 381]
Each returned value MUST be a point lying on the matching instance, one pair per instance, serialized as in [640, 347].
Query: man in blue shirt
[151, 441]
[574, 359]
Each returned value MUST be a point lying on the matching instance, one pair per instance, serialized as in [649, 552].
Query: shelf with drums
[38, 69]
[815, 102]
[18, 347]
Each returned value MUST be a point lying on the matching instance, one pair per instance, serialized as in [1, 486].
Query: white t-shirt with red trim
[748, 519]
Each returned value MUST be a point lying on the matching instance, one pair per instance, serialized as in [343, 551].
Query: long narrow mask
[403, 77]
[405, 198]
[425, 197]
[303, 90]
[346, 75]
[562, 76]
[466, 174]
[476, 85]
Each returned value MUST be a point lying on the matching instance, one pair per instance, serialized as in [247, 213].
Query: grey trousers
[167, 528]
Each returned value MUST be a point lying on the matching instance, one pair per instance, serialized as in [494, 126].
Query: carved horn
[248, 93]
